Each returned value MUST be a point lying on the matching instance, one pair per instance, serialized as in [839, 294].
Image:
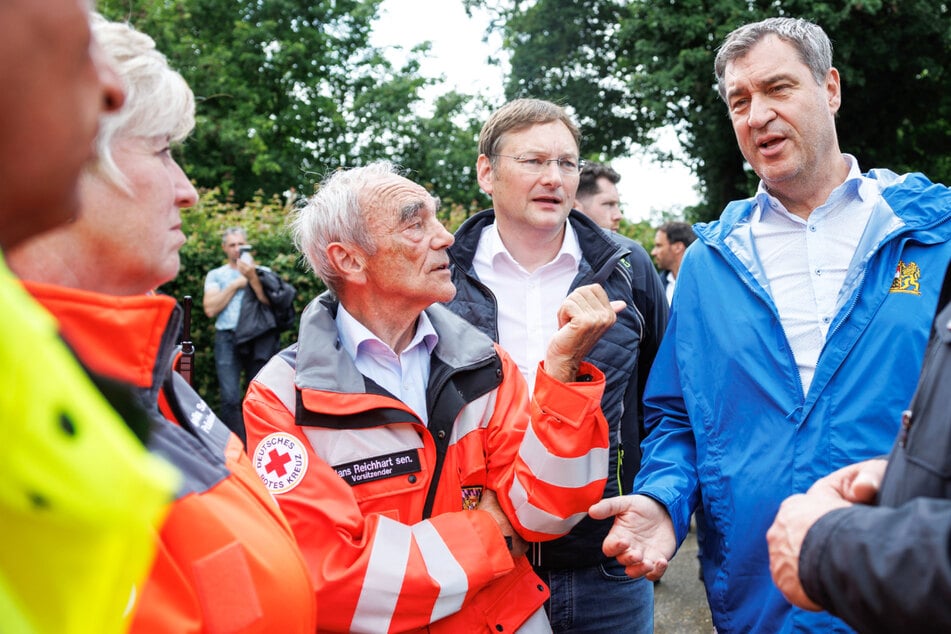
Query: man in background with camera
[225, 290]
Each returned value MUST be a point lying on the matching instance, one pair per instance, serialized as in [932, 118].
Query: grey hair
[335, 214]
[811, 42]
[231, 231]
[158, 101]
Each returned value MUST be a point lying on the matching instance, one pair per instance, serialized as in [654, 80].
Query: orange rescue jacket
[384, 507]
[227, 560]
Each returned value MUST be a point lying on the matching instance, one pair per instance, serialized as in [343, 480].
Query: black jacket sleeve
[888, 568]
[882, 569]
[651, 301]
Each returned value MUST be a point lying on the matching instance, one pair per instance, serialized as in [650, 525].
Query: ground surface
[680, 604]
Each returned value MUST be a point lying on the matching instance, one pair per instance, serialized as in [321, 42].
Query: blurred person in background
[597, 196]
[670, 242]
[224, 300]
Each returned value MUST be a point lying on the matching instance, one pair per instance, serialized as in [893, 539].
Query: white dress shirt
[405, 375]
[671, 283]
[528, 303]
[805, 261]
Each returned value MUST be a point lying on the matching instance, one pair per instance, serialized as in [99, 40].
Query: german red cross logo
[280, 460]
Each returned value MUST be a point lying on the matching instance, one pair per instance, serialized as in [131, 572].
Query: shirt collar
[855, 185]
[355, 337]
[570, 249]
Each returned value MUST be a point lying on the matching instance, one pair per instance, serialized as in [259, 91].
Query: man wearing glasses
[513, 265]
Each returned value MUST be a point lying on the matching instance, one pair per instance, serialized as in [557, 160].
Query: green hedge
[265, 222]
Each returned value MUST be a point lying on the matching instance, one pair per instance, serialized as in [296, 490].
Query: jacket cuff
[588, 384]
[814, 552]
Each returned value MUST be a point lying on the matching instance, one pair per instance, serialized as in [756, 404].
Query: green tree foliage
[442, 155]
[289, 90]
[641, 232]
[629, 67]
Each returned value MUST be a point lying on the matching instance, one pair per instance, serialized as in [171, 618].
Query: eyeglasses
[537, 165]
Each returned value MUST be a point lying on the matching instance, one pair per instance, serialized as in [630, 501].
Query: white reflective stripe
[568, 473]
[384, 577]
[475, 415]
[340, 446]
[444, 569]
[278, 376]
[536, 624]
[539, 520]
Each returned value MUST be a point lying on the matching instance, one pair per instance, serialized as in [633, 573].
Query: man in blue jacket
[870, 544]
[796, 333]
[512, 266]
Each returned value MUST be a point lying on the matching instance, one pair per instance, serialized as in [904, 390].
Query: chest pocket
[384, 466]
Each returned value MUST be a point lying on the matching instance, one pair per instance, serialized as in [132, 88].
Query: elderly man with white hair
[401, 443]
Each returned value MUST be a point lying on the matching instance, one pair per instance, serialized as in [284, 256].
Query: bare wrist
[564, 371]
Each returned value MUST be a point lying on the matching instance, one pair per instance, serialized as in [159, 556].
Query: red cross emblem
[280, 460]
[276, 465]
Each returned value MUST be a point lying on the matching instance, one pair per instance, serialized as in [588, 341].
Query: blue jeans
[599, 599]
[228, 367]
[231, 359]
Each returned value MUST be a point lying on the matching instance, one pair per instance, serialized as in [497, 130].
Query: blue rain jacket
[730, 432]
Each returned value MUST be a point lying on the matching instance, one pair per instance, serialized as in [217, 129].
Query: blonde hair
[158, 101]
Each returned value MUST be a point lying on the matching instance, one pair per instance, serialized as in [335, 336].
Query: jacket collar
[130, 338]
[598, 248]
[909, 200]
[323, 364]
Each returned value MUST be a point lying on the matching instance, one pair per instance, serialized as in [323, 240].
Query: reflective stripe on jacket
[383, 506]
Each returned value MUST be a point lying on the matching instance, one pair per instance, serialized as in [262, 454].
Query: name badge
[379, 467]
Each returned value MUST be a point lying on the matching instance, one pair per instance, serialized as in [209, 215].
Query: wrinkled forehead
[393, 198]
[771, 55]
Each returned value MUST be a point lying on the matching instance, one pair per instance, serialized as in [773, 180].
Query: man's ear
[833, 91]
[347, 260]
[484, 173]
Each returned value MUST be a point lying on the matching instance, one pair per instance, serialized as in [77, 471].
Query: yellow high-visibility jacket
[80, 496]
